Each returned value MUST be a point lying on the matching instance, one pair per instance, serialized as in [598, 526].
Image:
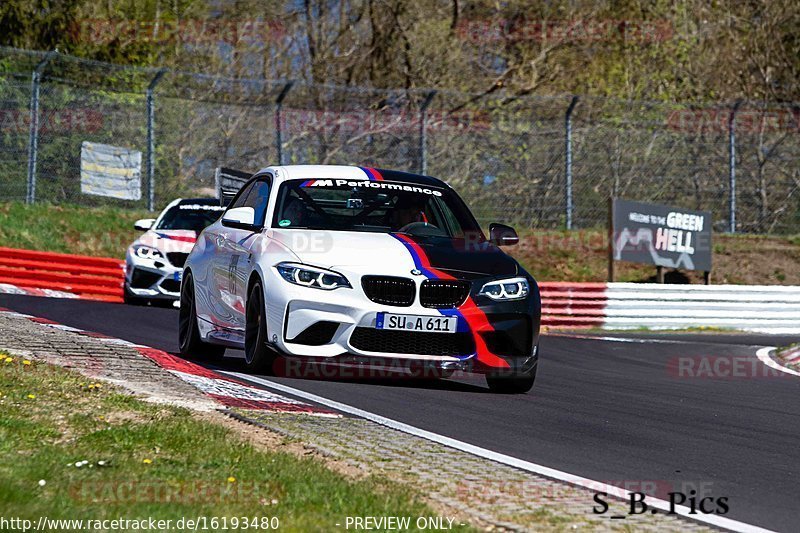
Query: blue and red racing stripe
[372, 174]
[470, 317]
[181, 238]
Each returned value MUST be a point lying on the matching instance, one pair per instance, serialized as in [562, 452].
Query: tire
[191, 345]
[258, 355]
[513, 384]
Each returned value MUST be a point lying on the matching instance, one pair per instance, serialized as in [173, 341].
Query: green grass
[550, 255]
[582, 255]
[160, 462]
[103, 231]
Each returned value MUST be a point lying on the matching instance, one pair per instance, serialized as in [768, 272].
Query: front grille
[143, 279]
[171, 285]
[443, 294]
[177, 259]
[316, 334]
[389, 290]
[412, 342]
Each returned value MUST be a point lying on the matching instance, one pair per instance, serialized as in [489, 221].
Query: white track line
[597, 486]
[765, 357]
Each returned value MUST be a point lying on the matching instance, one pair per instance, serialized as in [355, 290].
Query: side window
[445, 217]
[240, 200]
[258, 199]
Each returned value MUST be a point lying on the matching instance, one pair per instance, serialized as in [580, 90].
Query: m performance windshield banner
[661, 235]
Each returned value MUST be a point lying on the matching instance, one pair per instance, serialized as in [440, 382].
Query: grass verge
[582, 255]
[76, 450]
[100, 231]
[551, 255]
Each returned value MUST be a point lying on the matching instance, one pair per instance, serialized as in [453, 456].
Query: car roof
[198, 201]
[304, 172]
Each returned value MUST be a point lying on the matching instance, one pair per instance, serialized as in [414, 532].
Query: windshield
[373, 206]
[194, 217]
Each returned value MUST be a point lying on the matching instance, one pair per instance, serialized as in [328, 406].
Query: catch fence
[532, 161]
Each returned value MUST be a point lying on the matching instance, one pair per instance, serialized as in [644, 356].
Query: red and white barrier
[565, 305]
[759, 308]
[225, 391]
[60, 275]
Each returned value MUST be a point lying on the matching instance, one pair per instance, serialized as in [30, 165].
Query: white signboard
[111, 171]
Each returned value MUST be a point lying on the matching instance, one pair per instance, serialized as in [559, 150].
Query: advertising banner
[661, 235]
[111, 171]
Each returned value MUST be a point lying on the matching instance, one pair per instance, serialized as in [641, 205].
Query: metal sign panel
[228, 183]
[111, 171]
[661, 235]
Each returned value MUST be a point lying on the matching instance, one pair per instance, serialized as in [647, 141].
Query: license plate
[427, 324]
[178, 276]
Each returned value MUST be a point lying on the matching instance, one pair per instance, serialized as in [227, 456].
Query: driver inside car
[408, 210]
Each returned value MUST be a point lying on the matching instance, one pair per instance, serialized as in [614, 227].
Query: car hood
[396, 254]
[174, 240]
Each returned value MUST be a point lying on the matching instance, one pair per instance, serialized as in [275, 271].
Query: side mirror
[144, 224]
[502, 235]
[240, 217]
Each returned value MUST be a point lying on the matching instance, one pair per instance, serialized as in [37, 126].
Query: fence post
[732, 167]
[33, 141]
[423, 132]
[151, 141]
[568, 162]
[278, 121]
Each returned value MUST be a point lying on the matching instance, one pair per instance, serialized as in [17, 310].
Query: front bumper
[152, 279]
[339, 325]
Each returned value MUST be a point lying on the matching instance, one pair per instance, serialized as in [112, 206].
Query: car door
[234, 257]
[219, 279]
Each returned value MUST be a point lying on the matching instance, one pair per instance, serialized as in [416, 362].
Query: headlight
[146, 252]
[309, 276]
[506, 289]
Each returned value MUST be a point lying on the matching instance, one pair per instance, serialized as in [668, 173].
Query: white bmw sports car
[360, 266]
[154, 262]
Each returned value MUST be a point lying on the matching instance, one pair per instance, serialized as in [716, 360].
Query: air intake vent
[443, 294]
[171, 285]
[412, 342]
[178, 259]
[316, 334]
[389, 290]
[144, 279]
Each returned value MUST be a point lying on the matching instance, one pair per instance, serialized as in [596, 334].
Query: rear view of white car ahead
[359, 266]
[154, 262]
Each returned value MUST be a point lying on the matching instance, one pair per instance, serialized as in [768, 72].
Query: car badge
[416, 272]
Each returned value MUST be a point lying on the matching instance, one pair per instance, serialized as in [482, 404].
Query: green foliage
[145, 460]
[654, 50]
[104, 232]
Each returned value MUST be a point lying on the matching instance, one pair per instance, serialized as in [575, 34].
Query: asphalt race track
[607, 410]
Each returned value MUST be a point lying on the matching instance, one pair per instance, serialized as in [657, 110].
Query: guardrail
[568, 305]
[759, 308]
[565, 305]
[66, 275]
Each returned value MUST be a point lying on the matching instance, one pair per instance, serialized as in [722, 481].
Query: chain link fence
[532, 161]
